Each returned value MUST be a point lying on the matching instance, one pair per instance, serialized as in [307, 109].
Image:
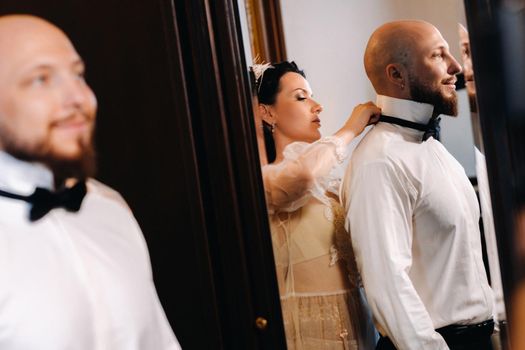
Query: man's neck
[407, 109]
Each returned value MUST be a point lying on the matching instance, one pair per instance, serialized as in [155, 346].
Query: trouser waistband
[474, 336]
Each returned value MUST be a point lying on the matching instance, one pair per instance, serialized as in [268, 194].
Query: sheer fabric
[320, 296]
[307, 171]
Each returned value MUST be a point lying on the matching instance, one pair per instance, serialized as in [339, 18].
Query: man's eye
[41, 79]
[81, 75]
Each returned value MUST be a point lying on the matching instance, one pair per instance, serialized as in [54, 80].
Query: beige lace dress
[321, 299]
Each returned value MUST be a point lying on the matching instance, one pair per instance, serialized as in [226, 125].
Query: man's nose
[75, 92]
[454, 66]
[467, 69]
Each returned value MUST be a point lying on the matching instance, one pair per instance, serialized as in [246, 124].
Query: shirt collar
[405, 109]
[23, 177]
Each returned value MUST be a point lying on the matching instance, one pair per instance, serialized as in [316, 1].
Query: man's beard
[79, 167]
[424, 93]
[473, 103]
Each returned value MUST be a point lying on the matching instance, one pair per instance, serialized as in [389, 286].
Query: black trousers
[475, 337]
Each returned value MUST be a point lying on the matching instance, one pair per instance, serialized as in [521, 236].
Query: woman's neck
[280, 144]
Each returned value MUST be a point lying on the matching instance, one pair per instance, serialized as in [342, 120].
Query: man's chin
[80, 165]
[450, 109]
[69, 160]
[66, 156]
[447, 104]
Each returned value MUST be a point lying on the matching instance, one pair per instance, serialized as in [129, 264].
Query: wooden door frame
[218, 91]
[500, 126]
[266, 30]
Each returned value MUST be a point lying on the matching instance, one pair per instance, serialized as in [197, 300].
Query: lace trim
[314, 294]
[328, 214]
[343, 243]
[340, 147]
[334, 255]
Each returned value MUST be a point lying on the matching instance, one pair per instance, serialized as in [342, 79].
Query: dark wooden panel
[497, 33]
[487, 60]
[266, 30]
[237, 222]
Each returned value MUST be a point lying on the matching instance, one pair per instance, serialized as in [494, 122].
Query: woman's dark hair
[268, 86]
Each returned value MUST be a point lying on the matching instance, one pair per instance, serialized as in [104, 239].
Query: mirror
[328, 40]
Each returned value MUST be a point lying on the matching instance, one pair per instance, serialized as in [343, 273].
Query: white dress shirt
[79, 281]
[413, 217]
[490, 234]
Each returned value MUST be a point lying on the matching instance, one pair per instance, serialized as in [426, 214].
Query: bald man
[74, 267]
[411, 210]
[468, 71]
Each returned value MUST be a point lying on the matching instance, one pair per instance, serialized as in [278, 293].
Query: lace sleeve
[304, 172]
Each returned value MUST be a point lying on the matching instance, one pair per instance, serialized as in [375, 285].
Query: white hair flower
[258, 71]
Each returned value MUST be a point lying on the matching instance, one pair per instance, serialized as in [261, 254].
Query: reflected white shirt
[78, 281]
[490, 234]
[413, 217]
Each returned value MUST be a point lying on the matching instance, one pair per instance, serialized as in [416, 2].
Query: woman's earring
[272, 127]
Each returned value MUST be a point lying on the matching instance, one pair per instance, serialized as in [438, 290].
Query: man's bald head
[23, 24]
[393, 43]
[47, 111]
[22, 36]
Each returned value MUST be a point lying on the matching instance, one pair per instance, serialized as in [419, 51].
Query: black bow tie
[431, 129]
[43, 201]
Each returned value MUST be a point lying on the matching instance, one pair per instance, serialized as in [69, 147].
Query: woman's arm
[287, 184]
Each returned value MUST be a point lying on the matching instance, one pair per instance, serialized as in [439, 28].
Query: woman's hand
[362, 115]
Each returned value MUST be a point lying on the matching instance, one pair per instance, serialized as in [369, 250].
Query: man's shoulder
[380, 145]
[383, 152]
[99, 189]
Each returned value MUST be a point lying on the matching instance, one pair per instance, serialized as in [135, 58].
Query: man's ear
[396, 74]
[266, 113]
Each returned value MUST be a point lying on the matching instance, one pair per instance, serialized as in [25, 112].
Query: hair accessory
[258, 71]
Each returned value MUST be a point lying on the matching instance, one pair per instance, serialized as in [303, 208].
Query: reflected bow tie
[43, 200]
[431, 129]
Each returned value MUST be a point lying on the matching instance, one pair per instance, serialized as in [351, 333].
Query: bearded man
[411, 210]
[74, 267]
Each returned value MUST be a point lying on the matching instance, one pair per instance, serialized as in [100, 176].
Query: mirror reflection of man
[411, 210]
[74, 267]
[468, 71]
[482, 177]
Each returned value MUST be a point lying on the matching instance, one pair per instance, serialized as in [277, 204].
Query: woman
[319, 294]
